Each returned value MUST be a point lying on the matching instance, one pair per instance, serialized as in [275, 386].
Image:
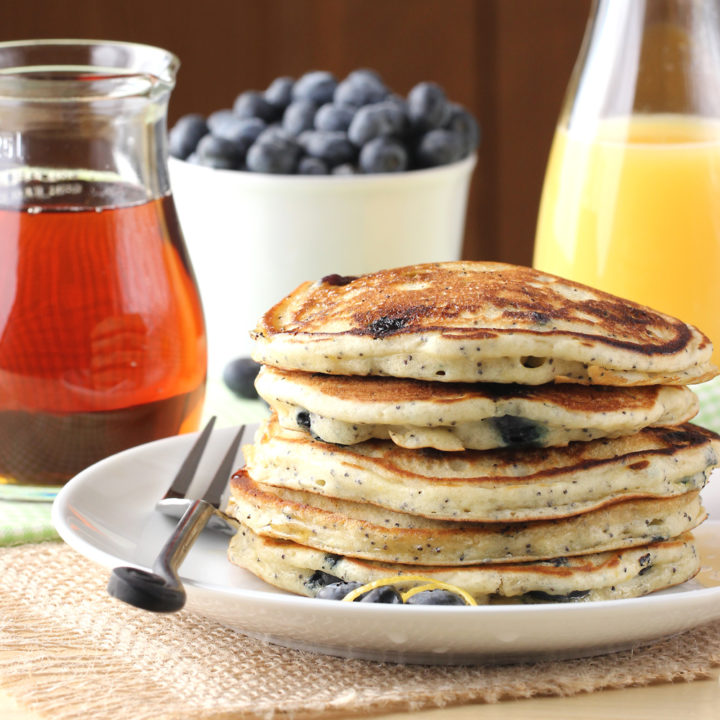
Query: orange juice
[635, 210]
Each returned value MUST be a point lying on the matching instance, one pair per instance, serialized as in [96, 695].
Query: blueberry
[337, 590]
[365, 75]
[344, 169]
[242, 132]
[274, 151]
[217, 153]
[312, 166]
[338, 280]
[185, 134]
[398, 102]
[320, 579]
[435, 597]
[439, 147]
[279, 92]
[384, 325]
[361, 87]
[253, 104]
[377, 120]
[464, 124]
[271, 158]
[299, 116]
[518, 431]
[216, 163]
[387, 594]
[332, 147]
[239, 376]
[333, 117]
[383, 155]
[427, 106]
[217, 120]
[318, 86]
[303, 139]
[276, 133]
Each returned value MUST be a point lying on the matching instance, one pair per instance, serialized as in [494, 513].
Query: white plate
[106, 513]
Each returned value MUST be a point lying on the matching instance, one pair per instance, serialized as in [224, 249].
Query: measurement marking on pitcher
[11, 146]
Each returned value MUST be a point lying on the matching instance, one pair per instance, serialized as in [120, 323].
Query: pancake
[451, 416]
[601, 576]
[478, 322]
[365, 531]
[490, 485]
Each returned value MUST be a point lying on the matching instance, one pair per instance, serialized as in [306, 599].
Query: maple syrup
[102, 338]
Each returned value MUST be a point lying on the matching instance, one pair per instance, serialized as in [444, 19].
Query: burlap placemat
[76, 653]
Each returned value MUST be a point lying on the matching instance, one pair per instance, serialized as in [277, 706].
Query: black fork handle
[161, 590]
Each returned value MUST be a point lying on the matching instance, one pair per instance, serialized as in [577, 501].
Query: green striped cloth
[25, 512]
[23, 522]
[709, 394]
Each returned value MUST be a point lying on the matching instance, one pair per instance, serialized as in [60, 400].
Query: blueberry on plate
[427, 106]
[299, 116]
[239, 376]
[377, 120]
[361, 87]
[387, 594]
[439, 147]
[435, 597]
[279, 92]
[333, 148]
[318, 86]
[185, 134]
[252, 103]
[312, 166]
[217, 153]
[382, 155]
[337, 590]
[333, 117]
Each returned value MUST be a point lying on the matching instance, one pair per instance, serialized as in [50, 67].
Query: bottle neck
[646, 57]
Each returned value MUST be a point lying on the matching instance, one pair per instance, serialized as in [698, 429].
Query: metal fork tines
[176, 500]
[161, 589]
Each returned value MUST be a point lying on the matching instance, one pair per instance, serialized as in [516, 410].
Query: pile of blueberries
[318, 126]
[333, 588]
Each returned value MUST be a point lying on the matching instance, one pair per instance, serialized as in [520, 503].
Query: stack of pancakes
[523, 437]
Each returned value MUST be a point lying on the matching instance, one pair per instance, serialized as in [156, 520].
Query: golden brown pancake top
[474, 301]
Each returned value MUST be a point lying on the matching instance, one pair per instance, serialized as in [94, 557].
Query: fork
[161, 590]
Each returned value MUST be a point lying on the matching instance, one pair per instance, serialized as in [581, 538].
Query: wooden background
[507, 60]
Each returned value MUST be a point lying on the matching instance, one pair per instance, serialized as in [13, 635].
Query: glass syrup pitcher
[631, 201]
[102, 339]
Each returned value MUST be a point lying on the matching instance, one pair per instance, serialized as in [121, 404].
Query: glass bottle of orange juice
[631, 200]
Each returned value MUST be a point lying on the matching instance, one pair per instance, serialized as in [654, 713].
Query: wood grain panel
[537, 46]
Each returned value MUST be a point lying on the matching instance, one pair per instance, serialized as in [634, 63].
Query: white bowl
[253, 238]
